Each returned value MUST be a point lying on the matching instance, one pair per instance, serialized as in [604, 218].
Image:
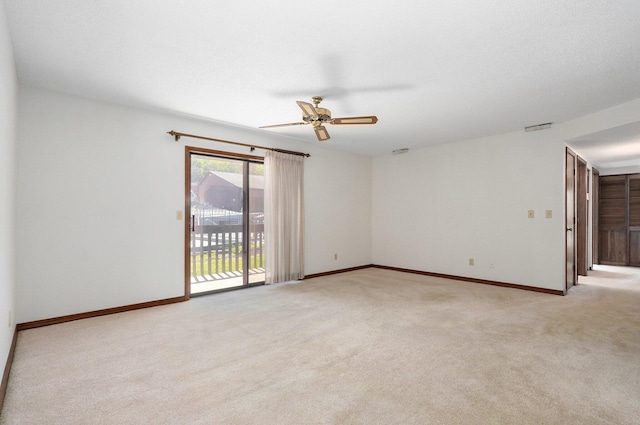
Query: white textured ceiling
[611, 149]
[432, 71]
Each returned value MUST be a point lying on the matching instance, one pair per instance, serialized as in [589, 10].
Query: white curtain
[284, 216]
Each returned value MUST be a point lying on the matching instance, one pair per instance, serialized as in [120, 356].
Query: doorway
[224, 232]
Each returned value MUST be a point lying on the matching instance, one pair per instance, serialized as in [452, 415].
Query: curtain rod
[177, 135]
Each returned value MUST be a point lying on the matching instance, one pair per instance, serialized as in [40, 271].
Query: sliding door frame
[189, 150]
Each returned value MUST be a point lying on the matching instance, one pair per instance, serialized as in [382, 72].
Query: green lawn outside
[228, 264]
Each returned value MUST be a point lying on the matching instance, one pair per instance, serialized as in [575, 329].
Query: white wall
[98, 190]
[8, 140]
[338, 211]
[435, 208]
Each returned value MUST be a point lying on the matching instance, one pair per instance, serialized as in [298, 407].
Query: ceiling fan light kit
[317, 117]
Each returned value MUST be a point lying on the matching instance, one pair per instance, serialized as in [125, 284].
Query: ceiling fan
[317, 117]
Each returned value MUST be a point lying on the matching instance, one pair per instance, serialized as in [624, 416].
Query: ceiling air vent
[399, 151]
[537, 127]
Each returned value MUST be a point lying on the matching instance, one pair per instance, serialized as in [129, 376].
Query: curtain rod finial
[174, 134]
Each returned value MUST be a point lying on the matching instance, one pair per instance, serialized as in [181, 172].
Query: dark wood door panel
[634, 211]
[613, 246]
[634, 201]
[634, 187]
[613, 212]
[634, 248]
[596, 216]
[582, 215]
[613, 187]
[571, 271]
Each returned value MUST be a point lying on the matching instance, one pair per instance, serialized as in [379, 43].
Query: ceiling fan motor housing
[324, 116]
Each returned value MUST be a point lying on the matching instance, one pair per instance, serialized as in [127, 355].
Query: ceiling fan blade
[308, 109]
[355, 120]
[284, 125]
[321, 133]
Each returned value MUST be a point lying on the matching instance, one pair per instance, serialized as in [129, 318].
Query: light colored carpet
[365, 347]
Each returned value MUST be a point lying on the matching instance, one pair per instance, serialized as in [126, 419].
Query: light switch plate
[178, 215]
[548, 214]
[531, 214]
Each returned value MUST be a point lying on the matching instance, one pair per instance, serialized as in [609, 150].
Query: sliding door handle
[193, 223]
[569, 229]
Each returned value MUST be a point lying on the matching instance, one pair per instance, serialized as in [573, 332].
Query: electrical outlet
[472, 262]
[492, 265]
[531, 214]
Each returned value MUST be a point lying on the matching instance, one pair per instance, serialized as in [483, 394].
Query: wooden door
[582, 216]
[595, 200]
[612, 224]
[571, 276]
[634, 220]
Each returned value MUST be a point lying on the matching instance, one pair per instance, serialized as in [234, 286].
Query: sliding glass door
[225, 208]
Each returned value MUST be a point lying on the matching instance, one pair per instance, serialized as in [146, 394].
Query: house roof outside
[255, 182]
